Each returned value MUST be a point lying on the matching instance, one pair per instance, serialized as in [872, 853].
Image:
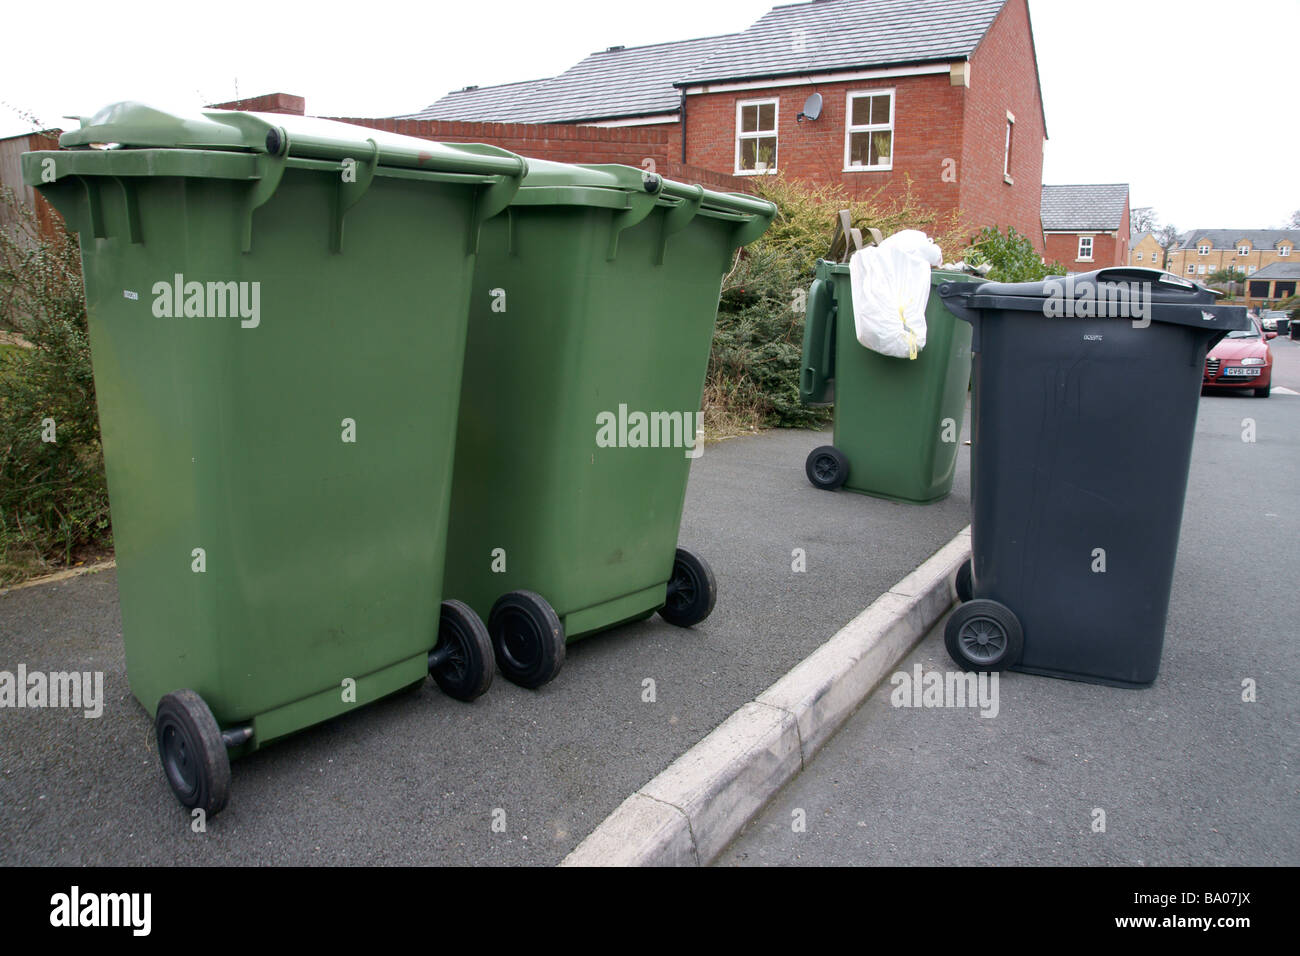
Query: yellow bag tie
[911, 336]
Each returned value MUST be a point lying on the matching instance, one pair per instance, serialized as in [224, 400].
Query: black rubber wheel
[692, 591]
[983, 635]
[527, 637]
[467, 670]
[964, 583]
[1263, 392]
[192, 752]
[827, 468]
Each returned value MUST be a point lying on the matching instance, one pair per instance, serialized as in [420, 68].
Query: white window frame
[1079, 256]
[1191, 268]
[1006, 156]
[1203, 250]
[850, 129]
[1200, 270]
[1284, 250]
[773, 133]
[1243, 250]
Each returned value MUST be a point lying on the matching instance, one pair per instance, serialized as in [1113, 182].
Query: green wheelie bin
[277, 336]
[897, 420]
[594, 301]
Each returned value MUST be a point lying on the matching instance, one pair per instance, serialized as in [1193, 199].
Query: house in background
[941, 94]
[1204, 252]
[1271, 284]
[1146, 251]
[1086, 227]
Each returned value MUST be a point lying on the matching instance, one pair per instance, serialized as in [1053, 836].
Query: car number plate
[1241, 372]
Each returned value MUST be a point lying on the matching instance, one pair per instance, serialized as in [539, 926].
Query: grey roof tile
[1278, 270]
[826, 35]
[1228, 238]
[619, 82]
[1093, 206]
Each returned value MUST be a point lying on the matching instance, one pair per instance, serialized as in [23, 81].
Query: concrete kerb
[689, 813]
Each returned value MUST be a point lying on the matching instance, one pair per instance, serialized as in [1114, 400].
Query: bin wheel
[462, 661]
[964, 584]
[528, 638]
[192, 752]
[692, 590]
[983, 635]
[827, 468]
[1263, 392]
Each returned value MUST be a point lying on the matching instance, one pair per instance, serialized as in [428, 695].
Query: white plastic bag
[891, 286]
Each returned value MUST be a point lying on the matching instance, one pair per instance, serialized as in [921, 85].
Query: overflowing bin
[277, 333]
[1084, 406]
[594, 300]
[897, 421]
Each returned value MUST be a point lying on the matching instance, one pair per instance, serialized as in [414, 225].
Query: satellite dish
[812, 108]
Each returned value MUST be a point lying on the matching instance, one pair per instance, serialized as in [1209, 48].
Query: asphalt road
[417, 779]
[1185, 771]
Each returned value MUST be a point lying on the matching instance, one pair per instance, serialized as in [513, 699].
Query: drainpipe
[682, 108]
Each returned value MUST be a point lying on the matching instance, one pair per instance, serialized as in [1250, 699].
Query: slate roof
[849, 34]
[1096, 206]
[616, 83]
[1228, 238]
[1278, 270]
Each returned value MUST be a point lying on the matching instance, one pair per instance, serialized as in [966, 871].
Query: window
[869, 132]
[1200, 270]
[1191, 269]
[1284, 250]
[1203, 250]
[1139, 259]
[1011, 137]
[756, 136]
[1250, 270]
[1085, 249]
[1243, 250]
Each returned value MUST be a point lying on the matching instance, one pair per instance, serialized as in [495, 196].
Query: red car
[1241, 360]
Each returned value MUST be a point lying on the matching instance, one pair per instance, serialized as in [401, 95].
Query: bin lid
[1127, 293]
[135, 125]
[583, 184]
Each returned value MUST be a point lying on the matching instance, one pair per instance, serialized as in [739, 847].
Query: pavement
[1186, 772]
[422, 779]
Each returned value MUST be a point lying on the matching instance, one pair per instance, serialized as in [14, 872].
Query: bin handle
[349, 193]
[491, 201]
[132, 202]
[271, 171]
[639, 205]
[679, 216]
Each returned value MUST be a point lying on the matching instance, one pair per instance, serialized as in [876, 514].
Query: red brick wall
[629, 145]
[267, 103]
[1107, 250]
[1003, 78]
[927, 129]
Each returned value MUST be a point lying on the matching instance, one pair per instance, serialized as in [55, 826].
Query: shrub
[53, 494]
[1012, 256]
[753, 378]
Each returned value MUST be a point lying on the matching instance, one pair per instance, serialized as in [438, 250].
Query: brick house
[1086, 227]
[1146, 251]
[941, 94]
[1271, 284]
[1204, 252]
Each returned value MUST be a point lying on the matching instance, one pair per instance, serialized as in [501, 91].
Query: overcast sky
[1192, 103]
